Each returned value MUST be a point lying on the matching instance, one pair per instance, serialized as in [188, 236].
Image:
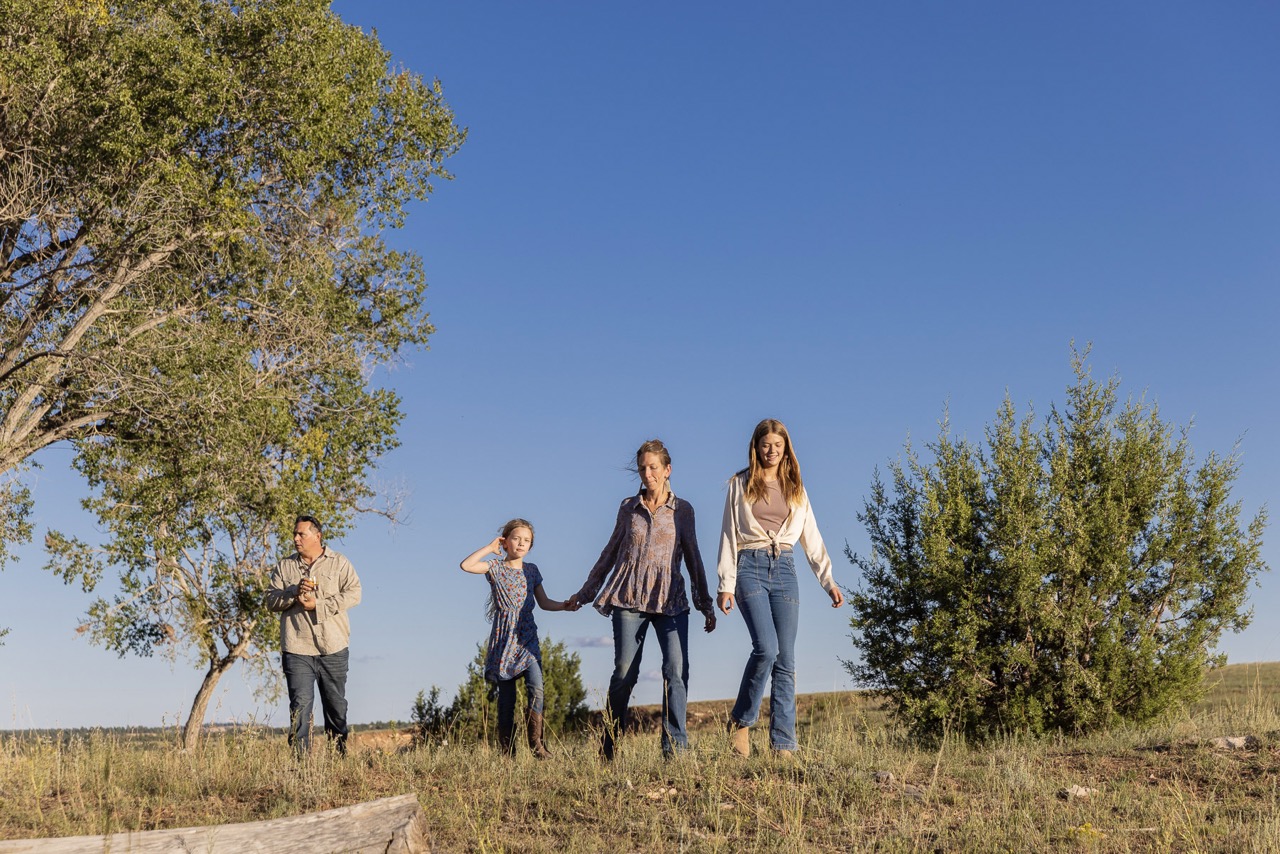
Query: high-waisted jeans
[769, 597]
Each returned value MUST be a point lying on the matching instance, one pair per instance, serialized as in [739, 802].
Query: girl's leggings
[507, 697]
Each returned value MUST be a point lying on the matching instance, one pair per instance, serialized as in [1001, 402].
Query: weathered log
[391, 825]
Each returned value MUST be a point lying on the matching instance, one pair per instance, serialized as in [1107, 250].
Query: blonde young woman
[766, 514]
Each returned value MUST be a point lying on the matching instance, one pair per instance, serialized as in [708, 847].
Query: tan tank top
[771, 510]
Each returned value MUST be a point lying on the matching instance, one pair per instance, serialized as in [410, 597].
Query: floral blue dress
[513, 640]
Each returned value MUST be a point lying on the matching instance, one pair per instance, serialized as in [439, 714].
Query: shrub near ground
[1163, 787]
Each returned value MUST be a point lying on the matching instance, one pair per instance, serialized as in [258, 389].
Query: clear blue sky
[674, 219]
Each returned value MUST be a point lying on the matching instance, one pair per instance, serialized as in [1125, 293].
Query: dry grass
[1160, 788]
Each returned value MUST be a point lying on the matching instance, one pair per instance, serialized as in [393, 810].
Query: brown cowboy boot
[534, 727]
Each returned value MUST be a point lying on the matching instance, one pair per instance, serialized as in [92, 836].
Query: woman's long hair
[788, 468]
[491, 607]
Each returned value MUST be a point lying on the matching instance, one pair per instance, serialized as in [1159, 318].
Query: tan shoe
[784, 754]
[739, 739]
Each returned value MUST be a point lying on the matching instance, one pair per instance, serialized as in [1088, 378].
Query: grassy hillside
[857, 784]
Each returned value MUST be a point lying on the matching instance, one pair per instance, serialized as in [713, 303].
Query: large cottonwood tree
[195, 289]
[1062, 578]
[177, 174]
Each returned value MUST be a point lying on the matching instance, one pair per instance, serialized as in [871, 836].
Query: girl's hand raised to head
[475, 562]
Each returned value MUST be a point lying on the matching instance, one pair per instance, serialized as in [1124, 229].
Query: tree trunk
[195, 720]
[217, 666]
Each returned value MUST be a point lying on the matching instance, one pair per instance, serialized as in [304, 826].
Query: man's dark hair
[313, 520]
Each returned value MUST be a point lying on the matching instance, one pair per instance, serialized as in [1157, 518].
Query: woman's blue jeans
[629, 630]
[769, 597]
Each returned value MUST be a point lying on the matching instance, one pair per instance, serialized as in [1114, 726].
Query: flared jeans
[768, 595]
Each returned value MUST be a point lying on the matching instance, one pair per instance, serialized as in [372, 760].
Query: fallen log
[391, 825]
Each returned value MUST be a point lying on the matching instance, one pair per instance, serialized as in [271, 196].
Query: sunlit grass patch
[857, 783]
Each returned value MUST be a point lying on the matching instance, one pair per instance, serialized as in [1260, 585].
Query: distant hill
[1232, 685]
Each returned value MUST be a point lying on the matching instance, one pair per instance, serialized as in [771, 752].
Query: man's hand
[709, 624]
[307, 594]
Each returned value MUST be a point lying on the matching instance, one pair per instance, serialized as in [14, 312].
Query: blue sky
[675, 219]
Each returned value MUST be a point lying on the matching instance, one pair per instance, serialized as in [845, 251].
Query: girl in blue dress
[513, 641]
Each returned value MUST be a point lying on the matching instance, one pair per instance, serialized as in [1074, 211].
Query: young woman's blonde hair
[788, 468]
[491, 607]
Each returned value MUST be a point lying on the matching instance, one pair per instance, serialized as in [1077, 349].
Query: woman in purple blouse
[654, 533]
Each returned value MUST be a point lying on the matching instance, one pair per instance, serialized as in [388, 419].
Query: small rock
[884, 778]
[1236, 742]
[913, 792]
[1072, 793]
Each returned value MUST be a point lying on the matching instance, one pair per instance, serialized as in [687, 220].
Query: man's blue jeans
[769, 597]
[301, 673]
[629, 630]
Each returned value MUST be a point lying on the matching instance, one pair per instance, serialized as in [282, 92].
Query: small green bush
[474, 711]
[1061, 579]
